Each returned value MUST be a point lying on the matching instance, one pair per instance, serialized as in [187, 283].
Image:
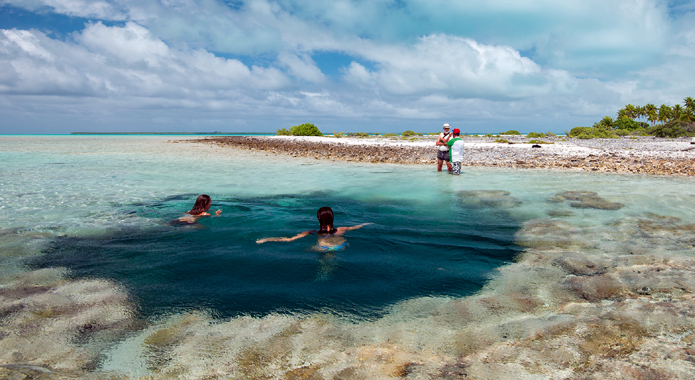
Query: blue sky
[346, 65]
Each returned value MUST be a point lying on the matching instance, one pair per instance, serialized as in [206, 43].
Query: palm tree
[689, 108]
[676, 112]
[689, 103]
[651, 113]
[622, 114]
[689, 114]
[630, 111]
[640, 112]
[664, 113]
[607, 121]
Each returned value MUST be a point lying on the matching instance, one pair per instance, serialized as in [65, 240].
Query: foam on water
[69, 203]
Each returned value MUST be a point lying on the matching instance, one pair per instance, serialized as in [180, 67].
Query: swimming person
[202, 204]
[329, 238]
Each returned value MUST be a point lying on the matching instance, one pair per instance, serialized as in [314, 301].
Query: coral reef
[581, 302]
[488, 198]
[52, 327]
[624, 156]
[586, 199]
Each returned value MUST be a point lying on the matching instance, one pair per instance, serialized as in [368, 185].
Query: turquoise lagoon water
[102, 207]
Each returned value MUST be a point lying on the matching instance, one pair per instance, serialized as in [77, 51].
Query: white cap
[446, 126]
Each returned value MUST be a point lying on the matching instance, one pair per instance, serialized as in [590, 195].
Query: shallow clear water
[217, 265]
[102, 208]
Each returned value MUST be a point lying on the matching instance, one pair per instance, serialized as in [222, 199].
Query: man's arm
[443, 141]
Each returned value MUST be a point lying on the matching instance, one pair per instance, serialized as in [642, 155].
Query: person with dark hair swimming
[329, 237]
[202, 204]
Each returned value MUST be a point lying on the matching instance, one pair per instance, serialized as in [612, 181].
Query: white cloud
[456, 66]
[530, 60]
[129, 44]
[100, 9]
[302, 67]
[106, 61]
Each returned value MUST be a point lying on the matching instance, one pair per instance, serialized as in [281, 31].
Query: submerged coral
[54, 326]
[488, 198]
[614, 300]
[586, 199]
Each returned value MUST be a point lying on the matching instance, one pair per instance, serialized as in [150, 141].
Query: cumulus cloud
[100, 9]
[459, 67]
[412, 59]
[302, 67]
[128, 60]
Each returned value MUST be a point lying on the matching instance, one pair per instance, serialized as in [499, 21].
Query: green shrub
[283, 132]
[358, 134]
[511, 132]
[678, 128]
[390, 135]
[576, 131]
[408, 133]
[550, 134]
[306, 129]
[338, 134]
[627, 124]
[532, 135]
[539, 142]
[503, 141]
[488, 135]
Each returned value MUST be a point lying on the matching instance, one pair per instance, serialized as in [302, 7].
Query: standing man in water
[443, 149]
[455, 152]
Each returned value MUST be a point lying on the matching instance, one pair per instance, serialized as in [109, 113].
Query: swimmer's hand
[218, 212]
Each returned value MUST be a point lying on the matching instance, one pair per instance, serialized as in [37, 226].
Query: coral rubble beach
[639, 155]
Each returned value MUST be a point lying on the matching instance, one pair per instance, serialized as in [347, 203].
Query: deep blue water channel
[413, 249]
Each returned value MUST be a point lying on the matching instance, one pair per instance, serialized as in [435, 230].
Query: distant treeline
[170, 133]
[664, 121]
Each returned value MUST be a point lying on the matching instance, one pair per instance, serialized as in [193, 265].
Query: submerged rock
[587, 199]
[488, 198]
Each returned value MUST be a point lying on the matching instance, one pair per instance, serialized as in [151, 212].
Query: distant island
[171, 133]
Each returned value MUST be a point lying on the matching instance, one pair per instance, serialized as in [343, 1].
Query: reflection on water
[93, 278]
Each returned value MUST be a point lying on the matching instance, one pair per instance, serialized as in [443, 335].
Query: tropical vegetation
[533, 135]
[648, 120]
[306, 129]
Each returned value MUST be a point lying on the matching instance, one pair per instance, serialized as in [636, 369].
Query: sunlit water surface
[103, 207]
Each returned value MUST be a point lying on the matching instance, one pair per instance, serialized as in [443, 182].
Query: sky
[344, 65]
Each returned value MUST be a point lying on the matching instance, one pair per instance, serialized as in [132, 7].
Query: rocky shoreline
[642, 155]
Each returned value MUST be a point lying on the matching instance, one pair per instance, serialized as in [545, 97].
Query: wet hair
[201, 205]
[325, 216]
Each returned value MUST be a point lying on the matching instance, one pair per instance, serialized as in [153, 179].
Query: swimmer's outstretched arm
[295, 237]
[341, 230]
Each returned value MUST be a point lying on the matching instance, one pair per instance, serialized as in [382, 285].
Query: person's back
[329, 238]
[456, 152]
[456, 149]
